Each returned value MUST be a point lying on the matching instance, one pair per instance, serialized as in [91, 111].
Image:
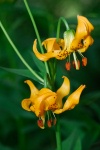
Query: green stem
[58, 135]
[59, 24]
[37, 33]
[19, 55]
[58, 33]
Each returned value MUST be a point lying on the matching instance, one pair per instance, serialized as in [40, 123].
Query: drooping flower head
[73, 42]
[46, 103]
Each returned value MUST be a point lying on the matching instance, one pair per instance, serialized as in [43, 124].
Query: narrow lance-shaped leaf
[22, 72]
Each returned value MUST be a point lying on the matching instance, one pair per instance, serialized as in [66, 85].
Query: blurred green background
[80, 127]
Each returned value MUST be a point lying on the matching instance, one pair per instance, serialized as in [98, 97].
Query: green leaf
[39, 64]
[78, 145]
[22, 72]
[73, 142]
[3, 147]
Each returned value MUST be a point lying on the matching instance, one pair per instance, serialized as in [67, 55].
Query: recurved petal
[51, 44]
[58, 111]
[84, 27]
[33, 89]
[87, 42]
[45, 56]
[44, 91]
[72, 100]
[65, 88]
[40, 102]
[86, 21]
[63, 91]
[26, 103]
[83, 30]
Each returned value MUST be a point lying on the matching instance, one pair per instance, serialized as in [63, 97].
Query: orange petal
[87, 42]
[44, 91]
[72, 100]
[83, 30]
[45, 56]
[50, 102]
[34, 90]
[63, 91]
[50, 44]
[86, 21]
[40, 104]
[26, 104]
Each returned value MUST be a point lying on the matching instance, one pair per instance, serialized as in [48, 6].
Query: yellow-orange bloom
[72, 42]
[46, 102]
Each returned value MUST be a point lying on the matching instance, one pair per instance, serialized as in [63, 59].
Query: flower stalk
[37, 33]
[19, 55]
[58, 135]
[59, 24]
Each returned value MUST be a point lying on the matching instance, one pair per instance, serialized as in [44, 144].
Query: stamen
[68, 66]
[40, 123]
[54, 121]
[53, 115]
[76, 61]
[49, 123]
[84, 61]
[80, 54]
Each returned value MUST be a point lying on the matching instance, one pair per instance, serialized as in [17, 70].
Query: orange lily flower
[72, 43]
[46, 102]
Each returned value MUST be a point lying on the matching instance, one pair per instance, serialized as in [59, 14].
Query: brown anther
[68, 66]
[49, 123]
[54, 121]
[40, 123]
[84, 61]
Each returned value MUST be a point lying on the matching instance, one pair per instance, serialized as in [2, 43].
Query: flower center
[76, 62]
[49, 120]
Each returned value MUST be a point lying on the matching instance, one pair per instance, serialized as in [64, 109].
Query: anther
[68, 66]
[84, 61]
[40, 123]
[49, 123]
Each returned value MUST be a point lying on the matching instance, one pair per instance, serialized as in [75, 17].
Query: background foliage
[80, 127]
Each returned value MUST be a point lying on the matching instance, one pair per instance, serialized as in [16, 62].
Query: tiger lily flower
[46, 103]
[72, 43]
